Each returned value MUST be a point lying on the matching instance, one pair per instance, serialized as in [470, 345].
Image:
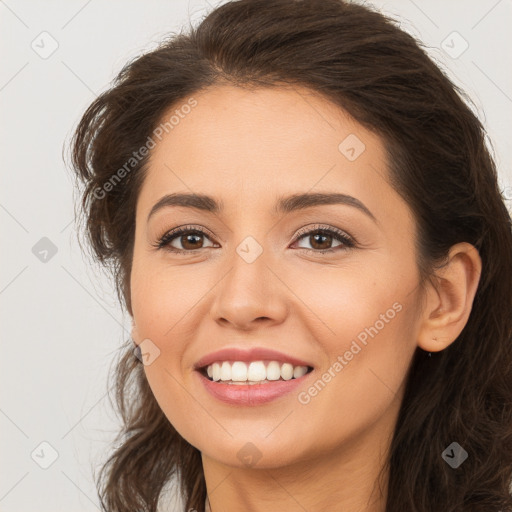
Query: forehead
[255, 141]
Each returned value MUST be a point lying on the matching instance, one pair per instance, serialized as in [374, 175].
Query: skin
[246, 148]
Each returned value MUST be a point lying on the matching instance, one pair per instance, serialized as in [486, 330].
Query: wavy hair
[361, 61]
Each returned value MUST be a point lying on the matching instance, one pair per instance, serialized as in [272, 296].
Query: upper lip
[247, 355]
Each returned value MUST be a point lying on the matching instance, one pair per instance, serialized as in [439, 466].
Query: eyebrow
[283, 205]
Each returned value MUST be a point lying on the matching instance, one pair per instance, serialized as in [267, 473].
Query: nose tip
[249, 296]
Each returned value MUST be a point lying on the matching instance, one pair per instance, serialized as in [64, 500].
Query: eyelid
[322, 227]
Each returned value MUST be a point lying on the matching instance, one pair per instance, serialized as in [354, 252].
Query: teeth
[256, 371]
[216, 371]
[287, 371]
[225, 371]
[239, 372]
[299, 371]
[273, 371]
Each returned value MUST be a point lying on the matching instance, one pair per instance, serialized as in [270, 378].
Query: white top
[207, 505]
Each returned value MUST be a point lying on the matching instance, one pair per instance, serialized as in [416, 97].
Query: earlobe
[450, 298]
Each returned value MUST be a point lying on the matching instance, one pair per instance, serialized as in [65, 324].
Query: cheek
[362, 383]
[161, 299]
[342, 301]
[365, 321]
[183, 413]
[165, 303]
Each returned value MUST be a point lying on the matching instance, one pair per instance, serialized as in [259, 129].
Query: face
[334, 285]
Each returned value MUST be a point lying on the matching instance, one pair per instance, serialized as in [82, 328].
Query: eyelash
[348, 242]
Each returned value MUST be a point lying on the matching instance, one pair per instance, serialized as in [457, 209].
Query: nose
[249, 295]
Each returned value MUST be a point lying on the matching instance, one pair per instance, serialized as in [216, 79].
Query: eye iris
[327, 238]
[186, 238]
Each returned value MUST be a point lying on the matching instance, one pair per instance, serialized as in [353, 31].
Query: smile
[240, 372]
[257, 388]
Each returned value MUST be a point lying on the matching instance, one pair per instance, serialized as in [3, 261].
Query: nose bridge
[248, 275]
[249, 290]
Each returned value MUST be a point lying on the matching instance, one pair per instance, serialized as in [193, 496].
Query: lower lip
[254, 394]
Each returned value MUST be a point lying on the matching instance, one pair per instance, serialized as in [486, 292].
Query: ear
[449, 298]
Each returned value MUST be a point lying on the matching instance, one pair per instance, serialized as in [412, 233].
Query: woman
[306, 228]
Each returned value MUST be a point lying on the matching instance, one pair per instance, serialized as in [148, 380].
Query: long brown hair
[362, 62]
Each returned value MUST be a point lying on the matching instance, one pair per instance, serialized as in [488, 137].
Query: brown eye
[188, 240]
[191, 241]
[183, 240]
[321, 240]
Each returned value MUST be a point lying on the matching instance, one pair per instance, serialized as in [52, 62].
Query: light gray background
[60, 322]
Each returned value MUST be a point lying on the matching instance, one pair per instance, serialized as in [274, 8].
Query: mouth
[259, 383]
[240, 373]
[241, 376]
